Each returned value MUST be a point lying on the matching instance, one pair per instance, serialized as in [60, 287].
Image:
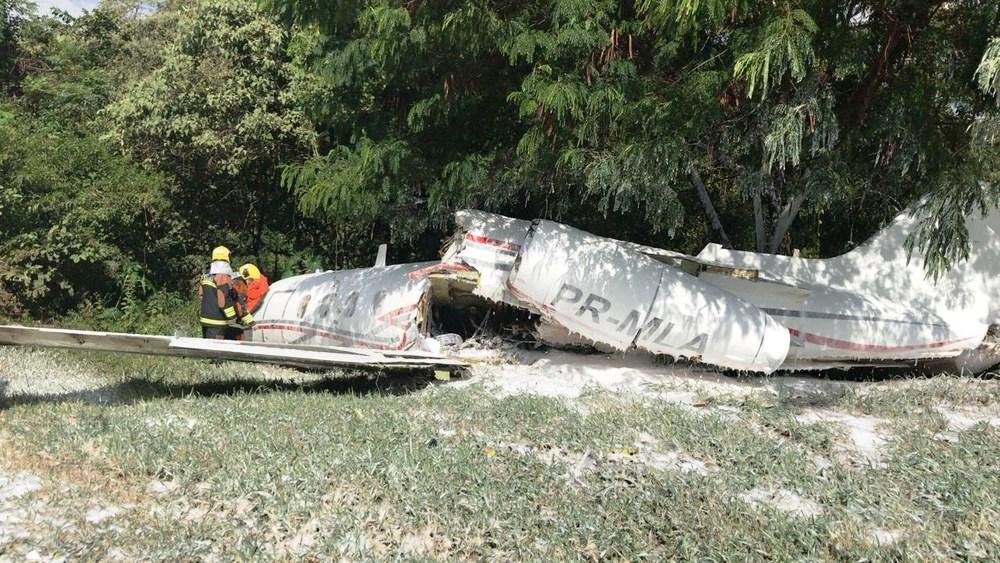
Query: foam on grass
[566, 375]
[783, 501]
[293, 472]
[864, 436]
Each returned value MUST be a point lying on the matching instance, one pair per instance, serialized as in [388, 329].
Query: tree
[755, 115]
[13, 14]
[411, 110]
[216, 115]
[78, 221]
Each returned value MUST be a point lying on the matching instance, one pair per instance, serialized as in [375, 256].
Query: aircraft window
[325, 309]
[350, 304]
[304, 305]
[377, 301]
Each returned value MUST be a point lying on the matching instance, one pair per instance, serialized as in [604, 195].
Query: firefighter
[220, 259]
[239, 296]
[217, 307]
[256, 285]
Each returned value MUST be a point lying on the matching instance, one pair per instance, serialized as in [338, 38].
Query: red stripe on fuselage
[492, 242]
[390, 317]
[331, 335]
[859, 347]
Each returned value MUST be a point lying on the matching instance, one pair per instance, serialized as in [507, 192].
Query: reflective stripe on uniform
[212, 313]
[247, 319]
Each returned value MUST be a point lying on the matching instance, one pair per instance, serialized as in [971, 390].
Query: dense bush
[77, 220]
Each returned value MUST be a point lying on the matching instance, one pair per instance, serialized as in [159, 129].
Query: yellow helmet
[220, 253]
[249, 271]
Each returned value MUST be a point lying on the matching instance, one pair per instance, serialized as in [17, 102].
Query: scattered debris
[675, 461]
[36, 556]
[566, 375]
[17, 485]
[196, 513]
[305, 538]
[808, 392]
[427, 541]
[118, 554]
[646, 452]
[946, 436]
[821, 463]
[962, 419]
[13, 487]
[171, 420]
[45, 373]
[587, 463]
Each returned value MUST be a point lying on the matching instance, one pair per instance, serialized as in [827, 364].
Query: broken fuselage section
[574, 287]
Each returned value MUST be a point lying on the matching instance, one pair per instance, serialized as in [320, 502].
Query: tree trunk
[784, 221]
[706, 202]
[902, 27]
[758, 222]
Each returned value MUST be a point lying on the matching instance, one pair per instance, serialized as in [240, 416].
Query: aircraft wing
[305, 357]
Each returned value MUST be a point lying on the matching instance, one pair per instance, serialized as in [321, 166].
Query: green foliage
[986, 127]
[301, 133]
[637, 177]
[215, 113]
[693, 16]
[152, 313]
[13, 17]
[586, 107]
[600, 110]
[76, 220]
[789, 126]
[941, 231]
[351, 183]
[988, 72]
[72, 66]
[784, 47]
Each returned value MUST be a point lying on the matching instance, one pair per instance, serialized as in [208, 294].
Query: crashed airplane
[565, 287]
[735, 310]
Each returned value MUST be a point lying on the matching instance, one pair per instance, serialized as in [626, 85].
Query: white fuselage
[737, 310]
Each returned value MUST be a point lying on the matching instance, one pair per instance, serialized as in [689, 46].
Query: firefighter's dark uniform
[238, 293]
[214, 318]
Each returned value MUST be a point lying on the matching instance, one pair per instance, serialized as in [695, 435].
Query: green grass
[272, 464]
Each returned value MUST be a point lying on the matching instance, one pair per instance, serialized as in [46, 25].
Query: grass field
[126, 458]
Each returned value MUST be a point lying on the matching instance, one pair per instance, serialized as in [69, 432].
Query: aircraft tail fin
[882, 267]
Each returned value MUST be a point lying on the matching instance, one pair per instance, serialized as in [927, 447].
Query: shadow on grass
[136, 390]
